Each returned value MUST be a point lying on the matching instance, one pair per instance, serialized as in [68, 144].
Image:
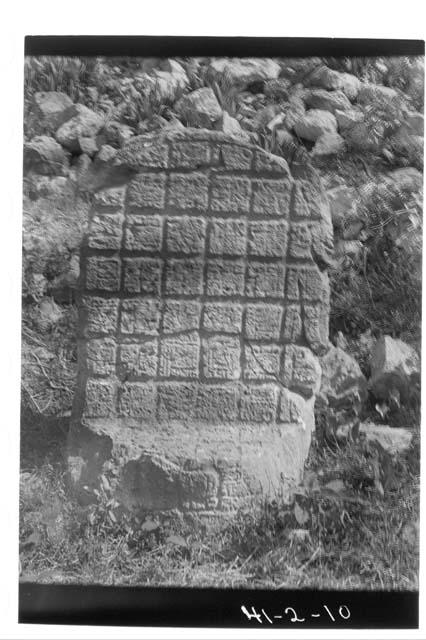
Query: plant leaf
[299, 535]
[410, 533]
[337, 486]
[310, 481]
[378, 485]
[177, 541]
[382, 409]
[105, 484]
[150, 525]
[300, 514]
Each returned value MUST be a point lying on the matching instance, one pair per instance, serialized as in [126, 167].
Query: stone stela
[202, 305]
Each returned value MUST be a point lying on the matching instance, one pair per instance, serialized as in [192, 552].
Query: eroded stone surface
[201, 310]
[393, 364]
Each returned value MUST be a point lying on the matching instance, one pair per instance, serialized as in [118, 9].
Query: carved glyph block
[201, 309]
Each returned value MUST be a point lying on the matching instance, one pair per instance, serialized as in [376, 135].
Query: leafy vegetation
[354, 521]
[58, 73]
[350, 526]
[380, 289]
[399, 72]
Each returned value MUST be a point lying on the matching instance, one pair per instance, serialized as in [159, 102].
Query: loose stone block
[271, 197]
[138, 359]
[188, 191]
[186, 234]
[222, 317]
[301, 370]
[184, 277]
[230, 194]
[100, 315]
[259, 404]
[217, 403]
[179, 356]
[225, 277]
[228, 237]
[235, 157]
[100, 398]
[137, 400]
[189, 155]
[143, 233]
[292, 325]
[147, 191]
[181, 315]
[101, 356]
[221, 357]
[308, 284]
[103, 274]
[265, 280]
[268, 239]
[263, 321]
[262, 361]
[176, 400]
[105, 231]
[140, 317]
[142, 275]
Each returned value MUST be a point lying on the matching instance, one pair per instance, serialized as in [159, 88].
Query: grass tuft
[339, 532]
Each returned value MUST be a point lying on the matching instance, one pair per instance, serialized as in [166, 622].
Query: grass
[353, 523]
[53, 227]
[58, 73]
[49, 363]
[366, 295]
[340, 532]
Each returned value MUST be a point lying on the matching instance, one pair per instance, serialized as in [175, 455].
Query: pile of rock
[66, 130]
[395, 377]
[324, 108]
[300, 100]
[298, 103]
[400, 192]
